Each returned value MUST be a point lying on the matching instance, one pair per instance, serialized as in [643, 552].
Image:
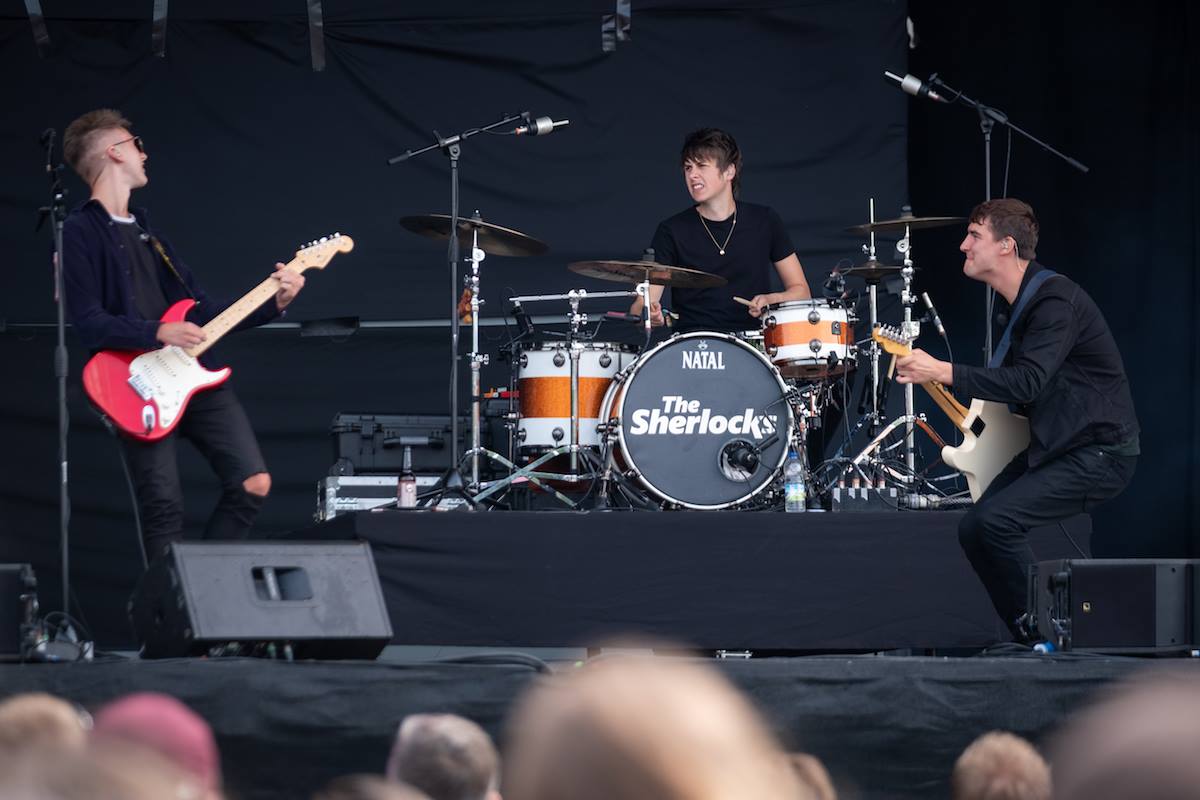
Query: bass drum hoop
[621, 381]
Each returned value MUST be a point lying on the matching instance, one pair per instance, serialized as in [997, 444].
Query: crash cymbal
[636, 271]
[872, 271]
[913, 223]
[494, 239]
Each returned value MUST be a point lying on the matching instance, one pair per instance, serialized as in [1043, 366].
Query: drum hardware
[483, 237]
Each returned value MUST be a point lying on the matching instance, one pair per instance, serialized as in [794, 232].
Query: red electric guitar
[145, 393]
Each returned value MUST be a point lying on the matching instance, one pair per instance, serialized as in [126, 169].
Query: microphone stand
[988, 117]
[452, 481]
[56, 212]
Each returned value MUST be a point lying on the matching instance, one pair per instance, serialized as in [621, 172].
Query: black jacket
[1063, 371]
[99, 289]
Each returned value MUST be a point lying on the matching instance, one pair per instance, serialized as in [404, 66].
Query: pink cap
[161, 723]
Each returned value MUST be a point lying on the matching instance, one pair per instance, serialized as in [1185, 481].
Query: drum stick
[743, 301]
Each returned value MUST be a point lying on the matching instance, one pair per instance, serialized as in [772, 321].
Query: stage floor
[712, 580]
[886, 726]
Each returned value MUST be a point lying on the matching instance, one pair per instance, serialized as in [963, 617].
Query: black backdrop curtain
[252, 152]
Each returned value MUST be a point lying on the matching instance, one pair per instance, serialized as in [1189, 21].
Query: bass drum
[688, 413]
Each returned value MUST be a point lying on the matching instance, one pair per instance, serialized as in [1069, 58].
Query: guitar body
[981, 457]
[165, 380]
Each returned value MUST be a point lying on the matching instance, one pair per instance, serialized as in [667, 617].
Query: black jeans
[215, 422]
[993, 534]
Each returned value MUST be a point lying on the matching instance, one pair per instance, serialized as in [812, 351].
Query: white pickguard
[982, 457]
[171, 375]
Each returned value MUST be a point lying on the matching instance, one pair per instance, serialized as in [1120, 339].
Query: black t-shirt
[758, 241]
[146, 275]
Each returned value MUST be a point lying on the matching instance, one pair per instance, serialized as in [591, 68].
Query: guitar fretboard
[229, 319]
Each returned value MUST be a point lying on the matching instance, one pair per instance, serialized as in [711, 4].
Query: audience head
[445, 756]
[1142, 740]
[368, 787]
[633, 728]
[1000, 766]
[38, 720]
[165, 726]
[812, 775]
[102, 772]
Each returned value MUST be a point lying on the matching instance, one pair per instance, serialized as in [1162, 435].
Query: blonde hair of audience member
[446, 756]
[101, 772]
[37, 720]
[1000, 766]
[643, 729]
[368, 787]
[1142, 740]
[812, 774]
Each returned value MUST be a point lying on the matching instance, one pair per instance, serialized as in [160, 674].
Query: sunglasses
[137, 142]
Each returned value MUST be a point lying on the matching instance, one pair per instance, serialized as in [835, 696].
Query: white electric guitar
[992, 435]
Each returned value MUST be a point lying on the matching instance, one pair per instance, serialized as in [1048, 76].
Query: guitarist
[119, 278]
[1056, 363]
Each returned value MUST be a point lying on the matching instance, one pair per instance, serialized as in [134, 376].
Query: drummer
[737, 240]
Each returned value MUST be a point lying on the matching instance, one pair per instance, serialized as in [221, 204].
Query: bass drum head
[691, 401]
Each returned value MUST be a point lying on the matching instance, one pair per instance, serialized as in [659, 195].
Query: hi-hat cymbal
[637, 271]
[495, 240]
[872, 271]
[897, 225]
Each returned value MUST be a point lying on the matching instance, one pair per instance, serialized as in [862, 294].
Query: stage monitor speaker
[1116, 605]
[318, 600]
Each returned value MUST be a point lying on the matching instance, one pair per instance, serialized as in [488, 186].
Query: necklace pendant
[722, 252]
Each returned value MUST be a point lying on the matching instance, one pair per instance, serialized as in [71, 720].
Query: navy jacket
[1063, 370]
[99, 287]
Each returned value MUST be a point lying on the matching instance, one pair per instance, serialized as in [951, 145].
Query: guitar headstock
[317, 253]
[892, 340]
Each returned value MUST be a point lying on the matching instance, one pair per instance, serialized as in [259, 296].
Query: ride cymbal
[638, 271]
[495, 240]
[897, 225]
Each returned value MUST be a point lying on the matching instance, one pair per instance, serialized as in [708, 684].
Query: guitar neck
[229, 319]
[953, 409]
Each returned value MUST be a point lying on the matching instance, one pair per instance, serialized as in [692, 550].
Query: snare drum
[544, 379]
[686, 410]
[809, 339]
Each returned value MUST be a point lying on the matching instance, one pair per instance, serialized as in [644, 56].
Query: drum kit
[701, 420]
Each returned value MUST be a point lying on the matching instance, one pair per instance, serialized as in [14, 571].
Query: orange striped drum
[809, 339]
[544, 379]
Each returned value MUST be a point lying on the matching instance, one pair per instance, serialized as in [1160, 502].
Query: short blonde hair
[641, 728]
[39, 720]
[79, 140]
[1000, 766]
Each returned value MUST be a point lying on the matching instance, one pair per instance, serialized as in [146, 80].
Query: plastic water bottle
[406, 487]
[793, 484]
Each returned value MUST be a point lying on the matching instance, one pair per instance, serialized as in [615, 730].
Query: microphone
[523, 320]
[937, 321]
[916, 87]
[741, 453]
[47, 141]
[540, 126]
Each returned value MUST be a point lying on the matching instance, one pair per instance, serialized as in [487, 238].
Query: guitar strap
[162, 253]
[1022, 301]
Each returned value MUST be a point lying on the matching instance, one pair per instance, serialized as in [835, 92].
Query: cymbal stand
[574, 349]
[477, 358]
[873, 295]
[910, 330]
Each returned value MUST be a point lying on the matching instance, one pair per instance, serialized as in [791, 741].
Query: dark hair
[80, 138]
[716, 144]
[1008, 216]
